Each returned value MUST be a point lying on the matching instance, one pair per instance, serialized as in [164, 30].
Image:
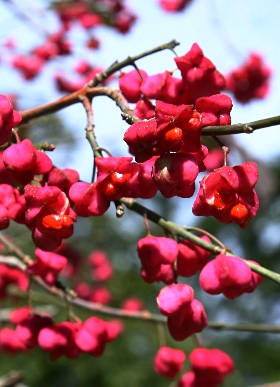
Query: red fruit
[102, 268]
[164, 87]
[116, 175]
[171, 138]
[144, 109]
[174, 174]
[47, 265]
[43, 201]
[239, 213]
[188, 320]
[224, 197]
[174, 5]
[114, 184]
[154, 251]
[168, 362]
[130, 84]
[185, 117]
[90, 20]
[214, 159]
[210, 366]
[29, 66]
[10, 276]
[251, 80]
[133, 304]
[63, 178]
[10, 342]
[226, 274]
[93, 44]
[124, 21]
[163, 273]
[89, 200]
[114, 329]
[187, 380]
[100, 295]
[24, 161]
[141, 137]
[59, 340]
[9, 118]
[19, 315]
[191, 257]
[229, 189]
[92, 336]
[199, 74]
[46, 51]
[57, 222]
[146, 185]
[215, 110]
[28, 330]
[173, 298]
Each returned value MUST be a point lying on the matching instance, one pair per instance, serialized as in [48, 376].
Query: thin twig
[100, 77]
[90, 90]
[90, 135]
[204, 232]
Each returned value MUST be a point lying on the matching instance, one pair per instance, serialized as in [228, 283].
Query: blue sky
[226, 30]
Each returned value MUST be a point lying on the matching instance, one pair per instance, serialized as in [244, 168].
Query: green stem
[204, 232]
[248, 128]
[170, 226]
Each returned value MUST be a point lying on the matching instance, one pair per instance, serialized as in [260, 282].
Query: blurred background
[227, 32]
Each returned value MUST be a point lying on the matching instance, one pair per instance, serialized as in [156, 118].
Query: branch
[143, 315]
[248, 128]
[76, 97]
[127, 112]
[90, 135]
[90, 90]
[100, 77]
[260, 328]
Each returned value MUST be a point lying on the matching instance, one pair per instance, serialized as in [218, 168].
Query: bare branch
[76, 97]
[100, 77]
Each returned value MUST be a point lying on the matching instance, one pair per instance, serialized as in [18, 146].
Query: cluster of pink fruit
[169, 155]
[69, 339]
[29, 328]
[163, 259]
[226, 193]
[208, 366]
